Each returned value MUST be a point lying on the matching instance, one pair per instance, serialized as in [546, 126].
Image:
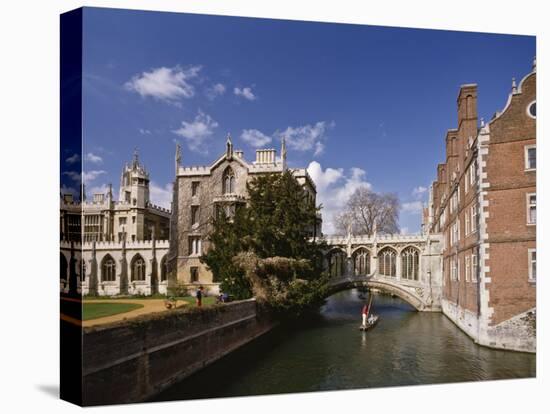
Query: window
[194, 274]
[228, 181]
[336, 263]
[472, 173]
[361, 262]
[454, 270]
[195, 214]
[133, 219]
[195, 245]
[531, 208]
[467, 268]
[466, 181]
[530, 157]
[108, 267]
[163, 269]
[455, 232]
[532, 109]
[195, 188]
[387, 262]
[409, 263]
[455, 198]
[466, 224]
[473, 211]
[532, 253]
[138, 268]
[475, 268]
[121, 221]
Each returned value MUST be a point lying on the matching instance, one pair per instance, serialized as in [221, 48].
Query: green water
[328, 352]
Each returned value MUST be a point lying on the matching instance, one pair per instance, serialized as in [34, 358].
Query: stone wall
[131, 361]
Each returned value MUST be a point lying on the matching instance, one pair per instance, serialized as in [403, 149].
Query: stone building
[199, 192]
[104, 219]
[113, 247]
[484, 203]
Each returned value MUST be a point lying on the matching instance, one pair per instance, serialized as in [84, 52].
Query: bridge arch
[411, 297]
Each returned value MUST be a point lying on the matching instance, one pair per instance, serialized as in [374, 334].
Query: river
[328, 352]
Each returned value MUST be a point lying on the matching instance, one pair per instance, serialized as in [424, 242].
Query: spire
[283, 153]
[178, 156]
[229, 147]
[135, 161]
[514, 86]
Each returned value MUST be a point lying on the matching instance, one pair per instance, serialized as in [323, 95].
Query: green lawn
[208, 300]
[99, 310]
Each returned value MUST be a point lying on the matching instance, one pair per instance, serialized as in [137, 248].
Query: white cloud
[196, 132]
[246, 93]
[404, 230]
[161, 196]
[413, 207]
[73, 175]
[89, 176]
[165, 84]
[72, 159]
[334, 188]
[419, 191]
[93, 158]
[307, 137]
[98, 189]
[144, 131]
[215, 90]
[255, 138]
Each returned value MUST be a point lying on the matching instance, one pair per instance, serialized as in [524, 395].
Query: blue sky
[359, 105]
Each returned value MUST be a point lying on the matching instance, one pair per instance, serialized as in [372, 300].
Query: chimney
[98, 198]
[265, 156]
[239, 154]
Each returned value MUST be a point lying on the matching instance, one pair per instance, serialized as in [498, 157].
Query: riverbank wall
[133, 360]
[516, 334]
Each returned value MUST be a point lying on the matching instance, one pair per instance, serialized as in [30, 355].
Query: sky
[358, 105]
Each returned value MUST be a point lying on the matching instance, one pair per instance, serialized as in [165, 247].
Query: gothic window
[194, 215]
[195, 246]
[409, 263]
[361, 262]
[194, 274]
[108, 267]
[336, 263]
[63, 267]
[82, 270]
[138, 268]
[387, 262]
[163, 269]
[228, 181]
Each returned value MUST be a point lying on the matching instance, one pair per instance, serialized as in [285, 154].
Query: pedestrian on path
[198, 295]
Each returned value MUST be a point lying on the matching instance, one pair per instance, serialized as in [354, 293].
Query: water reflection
[330, 353]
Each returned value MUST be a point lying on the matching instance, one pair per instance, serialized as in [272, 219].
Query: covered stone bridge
[408, 266]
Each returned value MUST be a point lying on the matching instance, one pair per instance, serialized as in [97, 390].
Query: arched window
[138, 268]
[361, 262]
[63, 267]
[336, 263]
[82, 270]
[386, 262]
[228, 181]
[163, 269]
[108, 269]
[409, 263]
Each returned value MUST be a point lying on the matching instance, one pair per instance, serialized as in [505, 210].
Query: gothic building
[484, 204]
[200, 191]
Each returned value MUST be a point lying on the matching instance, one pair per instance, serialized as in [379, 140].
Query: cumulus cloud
[165, 84]
[197, 131]
[89, 176]
[255, 138]
[245, 93]
[98, 189]
[413, 207]
[419, 191]
[72, 159]
[160, 195]
[144, 131]
[93, 158]
[215, 90]
[334, 188]
[307, 137]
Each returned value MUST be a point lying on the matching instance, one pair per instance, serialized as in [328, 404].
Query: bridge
[407, 266]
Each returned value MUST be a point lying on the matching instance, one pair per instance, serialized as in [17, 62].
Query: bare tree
[366, 211]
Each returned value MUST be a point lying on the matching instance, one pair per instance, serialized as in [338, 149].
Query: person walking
[198, 295]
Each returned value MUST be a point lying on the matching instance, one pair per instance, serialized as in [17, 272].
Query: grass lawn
[208, 300]
[99, 310]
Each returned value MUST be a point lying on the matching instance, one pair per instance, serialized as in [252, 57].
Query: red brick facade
[484, 204]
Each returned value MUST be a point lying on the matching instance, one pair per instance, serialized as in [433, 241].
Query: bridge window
[336, 263]
[108, 267]
[138, 268]
[387, 262]
[361, 262]
[409, 263]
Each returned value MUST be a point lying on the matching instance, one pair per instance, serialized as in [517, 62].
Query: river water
[328, 352]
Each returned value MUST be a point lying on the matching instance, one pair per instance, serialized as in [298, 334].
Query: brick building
[484, 203]
[200, 190]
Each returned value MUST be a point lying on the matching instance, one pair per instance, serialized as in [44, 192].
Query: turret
[134, 184]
